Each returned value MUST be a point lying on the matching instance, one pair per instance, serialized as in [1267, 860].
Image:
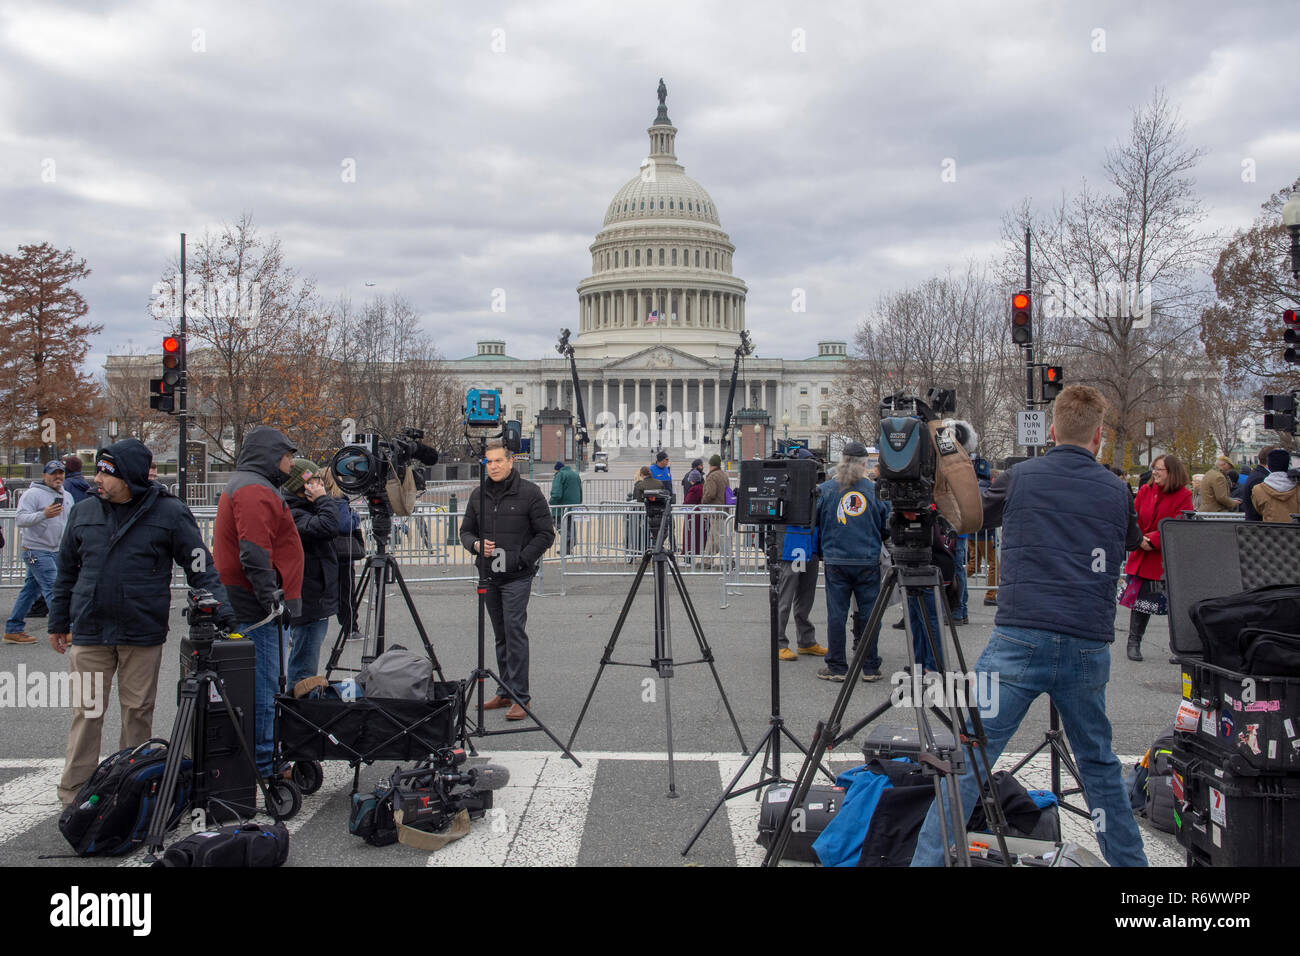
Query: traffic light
[1280, 412]
[1052, 381]
[1022, 318]
[162, 391]
[1291, 336]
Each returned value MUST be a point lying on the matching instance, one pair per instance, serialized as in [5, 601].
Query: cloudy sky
[488, 139]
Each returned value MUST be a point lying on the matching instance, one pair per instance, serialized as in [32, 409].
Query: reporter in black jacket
[317, 519]
[512, 531]
[112, 598]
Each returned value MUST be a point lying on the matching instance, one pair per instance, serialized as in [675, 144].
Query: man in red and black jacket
[257, 551]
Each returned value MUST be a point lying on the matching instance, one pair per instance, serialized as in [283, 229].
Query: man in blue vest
[1066, 524]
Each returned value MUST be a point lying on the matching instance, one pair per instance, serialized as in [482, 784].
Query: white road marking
[540, 817]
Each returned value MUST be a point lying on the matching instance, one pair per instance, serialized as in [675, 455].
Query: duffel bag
[1221, 621]
[247, 845]
[1271, 653]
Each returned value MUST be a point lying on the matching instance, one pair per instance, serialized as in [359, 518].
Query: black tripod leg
[707, 651]
[182, 728]
[829, 728]
[608, 654]
[415, 616]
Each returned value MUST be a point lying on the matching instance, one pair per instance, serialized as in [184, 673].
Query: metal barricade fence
[609, 539]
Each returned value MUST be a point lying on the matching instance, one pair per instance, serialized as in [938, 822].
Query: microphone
[490, 776]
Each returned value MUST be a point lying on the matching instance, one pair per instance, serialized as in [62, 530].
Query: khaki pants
[137, 688]
[988, 555]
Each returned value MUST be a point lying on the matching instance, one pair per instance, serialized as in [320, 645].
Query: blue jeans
[269, 644]
[1073, 672]
[959, 558]
[842, 582]
[304, 655]
[920, 644]
[42, 568]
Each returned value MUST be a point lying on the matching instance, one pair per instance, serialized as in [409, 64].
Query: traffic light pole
[1030, 450]
[182, 469]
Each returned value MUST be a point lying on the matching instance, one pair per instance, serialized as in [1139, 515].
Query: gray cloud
[479, 170]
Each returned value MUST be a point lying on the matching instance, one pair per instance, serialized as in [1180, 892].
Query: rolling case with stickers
[1229, 820]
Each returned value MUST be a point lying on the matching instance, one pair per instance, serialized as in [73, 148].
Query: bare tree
[255, 355]
[948, 331]
[1117, 267]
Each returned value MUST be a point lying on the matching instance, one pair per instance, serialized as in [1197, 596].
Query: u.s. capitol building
[659, 320]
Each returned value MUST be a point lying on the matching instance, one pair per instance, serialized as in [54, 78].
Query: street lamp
[559, 444]
[1291, 219]
[785, 421]
[528, 433]
[112, 428]
[1151, 431]
[758, 439]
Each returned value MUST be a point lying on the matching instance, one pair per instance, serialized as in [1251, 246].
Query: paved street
[613, 810]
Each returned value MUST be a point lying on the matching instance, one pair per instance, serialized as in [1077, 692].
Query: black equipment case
[1237, 776]
[1229, 820]
[819, 808]
[224, 777]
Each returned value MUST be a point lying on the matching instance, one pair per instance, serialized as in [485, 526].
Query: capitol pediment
[659, 357]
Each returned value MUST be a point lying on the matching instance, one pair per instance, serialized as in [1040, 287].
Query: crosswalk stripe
[539, 818]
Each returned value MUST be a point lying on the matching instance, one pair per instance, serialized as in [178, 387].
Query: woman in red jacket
[1164, 496]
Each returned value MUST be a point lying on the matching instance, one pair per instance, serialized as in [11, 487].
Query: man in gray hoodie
[42, 515]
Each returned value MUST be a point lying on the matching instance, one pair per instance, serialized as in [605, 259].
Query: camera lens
[354, 469]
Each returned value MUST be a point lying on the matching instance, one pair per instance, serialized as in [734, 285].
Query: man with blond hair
[1215, 493]
[1066, 524]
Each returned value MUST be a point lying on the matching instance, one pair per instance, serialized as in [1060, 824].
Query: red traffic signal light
[1291, 336]
[1022, 324]
[171, 374]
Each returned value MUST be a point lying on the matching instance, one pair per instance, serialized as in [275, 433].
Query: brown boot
[497, 702]
[19, 639]
[515, 713]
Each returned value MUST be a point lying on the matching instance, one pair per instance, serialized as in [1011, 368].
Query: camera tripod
[282, 797]
[380, 570]
[771, 742]
[938, 760]
[664, 561]
[480, 674]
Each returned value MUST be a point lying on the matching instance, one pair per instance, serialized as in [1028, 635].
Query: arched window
[697, 258]
[674, 257]
[715, 260]
[649, 257]
[643, 204]
[670, 204]
[661, 204]
[638, 257]
[686, 257]
[661, 256]
[624, 258]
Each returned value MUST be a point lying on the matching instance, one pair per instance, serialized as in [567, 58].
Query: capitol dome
[661, 265]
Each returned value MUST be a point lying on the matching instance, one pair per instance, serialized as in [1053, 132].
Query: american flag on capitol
[652, 317]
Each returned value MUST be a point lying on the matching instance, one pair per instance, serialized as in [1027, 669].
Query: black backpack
[1152, 793]
[247, 845]
[112, 811]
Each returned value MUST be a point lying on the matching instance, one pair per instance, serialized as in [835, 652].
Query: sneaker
[990, 601]
[825, 674]
[872, 678]
[899, 625]
[816, 650]
[19, 639]
[786, 654]
[356, 636]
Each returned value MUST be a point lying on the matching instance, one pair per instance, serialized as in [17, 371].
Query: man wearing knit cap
[112, 599]
[74, 483]
[1277, 497]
